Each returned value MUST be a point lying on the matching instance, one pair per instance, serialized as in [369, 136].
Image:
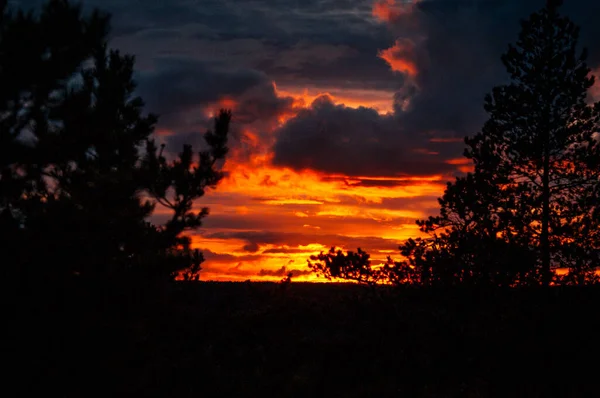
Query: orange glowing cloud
[465, 165]
[325, 209]
[309, 187]
[381, 101]
[210, 110]
[391, 10]
[400, 57]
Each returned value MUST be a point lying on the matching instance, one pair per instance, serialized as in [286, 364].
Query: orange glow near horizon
[327, 210]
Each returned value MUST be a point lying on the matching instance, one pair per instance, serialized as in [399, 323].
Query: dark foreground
[303, 340]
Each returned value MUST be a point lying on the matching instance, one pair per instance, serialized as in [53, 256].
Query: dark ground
[303, 340]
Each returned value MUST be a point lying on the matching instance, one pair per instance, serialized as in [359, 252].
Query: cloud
[400, 57]
[283, 271]
[224, 258]
[292, 240]
[456, 52]
[392, 10]
[284, 250]
[382, 182]
[447, 53]
[186, 93]
[305, 52]
[178, 85]
[434, 59]
[252, 247]
[336, 139]
[261, 103]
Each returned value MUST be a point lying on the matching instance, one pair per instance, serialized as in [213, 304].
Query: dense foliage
[80, 171]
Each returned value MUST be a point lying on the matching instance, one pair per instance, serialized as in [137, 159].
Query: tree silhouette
[469, 243]
[541, 144]
[350, 266]
[79, 170]
[531, 203]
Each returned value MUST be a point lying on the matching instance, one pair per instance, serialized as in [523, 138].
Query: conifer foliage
[80, 172]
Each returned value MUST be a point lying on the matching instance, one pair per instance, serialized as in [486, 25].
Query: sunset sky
[349, 115]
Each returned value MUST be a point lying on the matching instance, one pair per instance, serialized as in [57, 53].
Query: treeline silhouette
[80, 171]
[532, 203]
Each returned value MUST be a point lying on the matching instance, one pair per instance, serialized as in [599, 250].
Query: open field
[304, 340]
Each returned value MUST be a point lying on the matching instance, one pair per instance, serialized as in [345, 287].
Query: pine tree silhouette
[80, 172]
[540, 140]
[532, 198]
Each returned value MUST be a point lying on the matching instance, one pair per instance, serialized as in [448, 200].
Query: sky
[348, 115]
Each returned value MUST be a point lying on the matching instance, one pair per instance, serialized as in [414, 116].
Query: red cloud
[401, 56]
[390, 10]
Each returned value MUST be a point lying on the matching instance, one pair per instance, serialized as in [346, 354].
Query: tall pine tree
[541, 140]
[532, 199]
[80, 172]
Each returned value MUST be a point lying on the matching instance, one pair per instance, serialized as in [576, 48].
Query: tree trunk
[545, 238]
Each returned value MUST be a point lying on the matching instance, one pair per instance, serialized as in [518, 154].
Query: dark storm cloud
[182, 90]
[179, 84]
[330, 43]
[192, 52]
[459, 45]
[325, 43]
[337, 139]
[456, 50]
[457, 55]
[261, 103]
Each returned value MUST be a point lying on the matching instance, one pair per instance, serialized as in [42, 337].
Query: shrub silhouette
[351, 266]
